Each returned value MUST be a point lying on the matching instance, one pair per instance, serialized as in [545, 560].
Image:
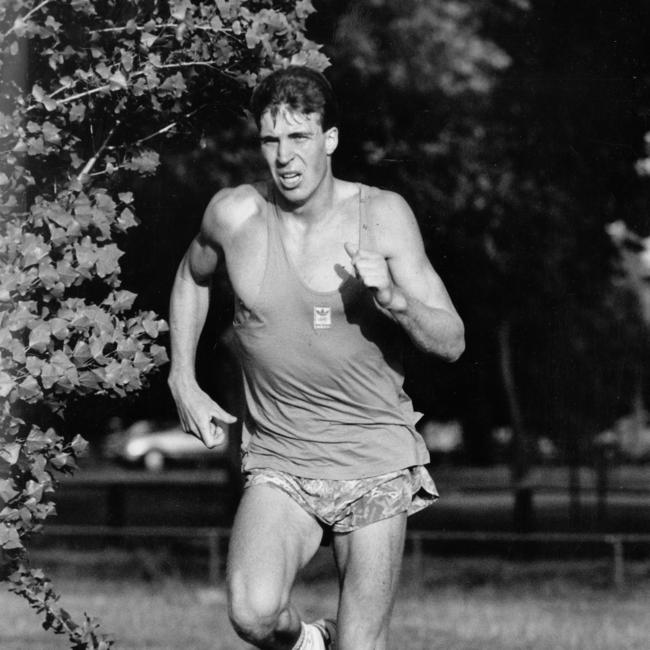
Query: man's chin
[295, 195]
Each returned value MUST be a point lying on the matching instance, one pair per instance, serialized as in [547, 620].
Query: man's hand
[199, 414]
[372, 269]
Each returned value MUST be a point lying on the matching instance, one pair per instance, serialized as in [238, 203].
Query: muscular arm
[189, 303]
[404, 281]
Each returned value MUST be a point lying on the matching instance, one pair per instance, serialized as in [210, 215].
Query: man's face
[297, 151]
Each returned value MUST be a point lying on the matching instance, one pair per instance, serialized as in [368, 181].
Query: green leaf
[141, 360]
[7, 384]
[52, 23]
[103, 71]
[49, 376]
[127, 348]
[59, 328]
[126, 219]
[7, 490]
[175, 84]
[147, 39]
[77, 112]
[146, 162]
[159, 354]
[9, 538]
[118, 81]
[151, 326]
[79, 445]
[304, 8]
[34, 491]
[10, 452]
[63, 460]
[179, 8]
[34, 249]
[38, 93]
[39, 440]
[40, 337]
[89, 381]
[107, 260]
[120, 301]
[48, 275]
[81, 352]
[34, 365]
[51, 133]
[29, 389]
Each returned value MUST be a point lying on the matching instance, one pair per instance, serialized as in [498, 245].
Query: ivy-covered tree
[91, 90]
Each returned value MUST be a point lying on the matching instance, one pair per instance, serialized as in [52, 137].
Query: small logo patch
[322, 318]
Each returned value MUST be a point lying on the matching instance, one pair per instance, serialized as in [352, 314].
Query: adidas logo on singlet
[322, 318]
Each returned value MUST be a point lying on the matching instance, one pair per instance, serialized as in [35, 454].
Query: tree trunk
[523, 514]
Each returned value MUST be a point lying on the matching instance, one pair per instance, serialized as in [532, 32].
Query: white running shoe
[327, 628]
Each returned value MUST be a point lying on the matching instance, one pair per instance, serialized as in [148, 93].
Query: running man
[328, 276]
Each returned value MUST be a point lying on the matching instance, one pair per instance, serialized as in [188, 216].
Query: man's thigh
[272, 539]
[369, 561]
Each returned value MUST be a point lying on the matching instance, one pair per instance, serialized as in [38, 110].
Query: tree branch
[26, 16]
[92, 91]
[93, 161]
[123, 28]
[168, 127]
[138, 73]
[185, 64]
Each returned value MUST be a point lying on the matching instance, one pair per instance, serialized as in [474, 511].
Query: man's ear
[331, 140]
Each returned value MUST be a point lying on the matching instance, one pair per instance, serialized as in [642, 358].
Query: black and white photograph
[323, 325]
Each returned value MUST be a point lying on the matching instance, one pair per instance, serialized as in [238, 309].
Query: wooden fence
[215, 539]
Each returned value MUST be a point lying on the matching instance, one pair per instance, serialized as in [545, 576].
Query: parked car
[156, 445]
[629, 437]
[442, 438]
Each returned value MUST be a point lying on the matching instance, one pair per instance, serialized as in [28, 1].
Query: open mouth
[289, 180]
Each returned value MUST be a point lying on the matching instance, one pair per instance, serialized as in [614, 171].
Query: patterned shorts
[346, 505]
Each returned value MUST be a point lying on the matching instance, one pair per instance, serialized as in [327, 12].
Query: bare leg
[272, 539]
[369, 561]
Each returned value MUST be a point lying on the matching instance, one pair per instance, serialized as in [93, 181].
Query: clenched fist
[372, 269]
[199, 414]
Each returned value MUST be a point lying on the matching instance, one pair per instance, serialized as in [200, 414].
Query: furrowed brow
[304, 133]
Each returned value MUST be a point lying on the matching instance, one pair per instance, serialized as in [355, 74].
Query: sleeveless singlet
[322, 375]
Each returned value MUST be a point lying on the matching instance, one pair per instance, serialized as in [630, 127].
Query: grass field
[455, 604]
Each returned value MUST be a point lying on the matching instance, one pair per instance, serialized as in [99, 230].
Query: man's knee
[256, 611]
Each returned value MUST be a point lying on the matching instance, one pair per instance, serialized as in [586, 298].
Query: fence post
[619, 562]
[214, 556]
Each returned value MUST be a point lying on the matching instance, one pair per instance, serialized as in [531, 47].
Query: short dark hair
[302, 89]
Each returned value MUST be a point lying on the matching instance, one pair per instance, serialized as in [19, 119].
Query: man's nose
[285, 152]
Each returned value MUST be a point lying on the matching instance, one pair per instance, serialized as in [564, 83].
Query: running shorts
[341, 506]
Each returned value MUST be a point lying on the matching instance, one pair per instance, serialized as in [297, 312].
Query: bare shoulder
[230, 211]
[392, 219]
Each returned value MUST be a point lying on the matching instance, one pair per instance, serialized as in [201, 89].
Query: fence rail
[214, 537]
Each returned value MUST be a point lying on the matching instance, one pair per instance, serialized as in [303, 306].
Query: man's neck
[315, 210]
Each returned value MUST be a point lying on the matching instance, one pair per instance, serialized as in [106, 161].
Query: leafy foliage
[105, 82]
